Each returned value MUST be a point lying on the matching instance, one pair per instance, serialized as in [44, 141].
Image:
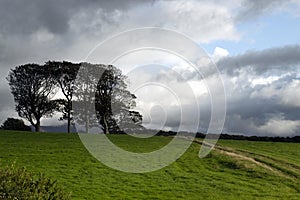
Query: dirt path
[237, 155]
[230, 153]
[243, 157]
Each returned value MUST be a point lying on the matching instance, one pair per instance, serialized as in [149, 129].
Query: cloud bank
[262, 87]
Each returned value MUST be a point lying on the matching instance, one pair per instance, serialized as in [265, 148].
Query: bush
[20, 184]
[15, 124]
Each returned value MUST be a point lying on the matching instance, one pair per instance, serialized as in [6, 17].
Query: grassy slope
[284, 157]
[287, 152]
[217, 176]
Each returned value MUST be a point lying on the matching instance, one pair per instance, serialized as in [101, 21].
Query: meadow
[221, 175]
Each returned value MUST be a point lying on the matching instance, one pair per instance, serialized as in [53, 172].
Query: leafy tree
[102, 97]
[15, 124]
[32, 86]
[99, 93]
[84, 95]
[64, 74]
[113, 102]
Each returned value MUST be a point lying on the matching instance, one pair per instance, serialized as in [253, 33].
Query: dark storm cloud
[25, 17]
[25, 26]
[279, 58]
[6, 99]
[21, 20]
[260, 111]
[248, 113]
[256, 109]
[6, 104]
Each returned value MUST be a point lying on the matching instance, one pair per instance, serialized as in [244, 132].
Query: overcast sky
[255, 45]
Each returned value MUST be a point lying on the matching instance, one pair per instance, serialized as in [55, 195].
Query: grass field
[218, 176]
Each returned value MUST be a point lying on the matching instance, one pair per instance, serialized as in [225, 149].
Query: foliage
[64, 74]
[114, 102]
[18, 183]
[84, 93]
[15, 124]
[102, 95]
[99, 88]
[32, 86]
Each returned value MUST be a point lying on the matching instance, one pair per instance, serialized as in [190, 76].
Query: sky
[254, 44]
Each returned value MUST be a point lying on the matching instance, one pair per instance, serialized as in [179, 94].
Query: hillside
[235, 169]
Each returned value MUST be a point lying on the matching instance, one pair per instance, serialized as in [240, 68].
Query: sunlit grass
[63, 157]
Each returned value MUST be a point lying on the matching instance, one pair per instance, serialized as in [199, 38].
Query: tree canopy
[64, 74]
[113, 102]
[100, 95]
[32, 86]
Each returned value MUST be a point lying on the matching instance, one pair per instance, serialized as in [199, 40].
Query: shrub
[15, 124]
[17, 183]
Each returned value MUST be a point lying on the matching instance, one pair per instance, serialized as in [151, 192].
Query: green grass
[64, 158]
[287, 152]
[284, 157]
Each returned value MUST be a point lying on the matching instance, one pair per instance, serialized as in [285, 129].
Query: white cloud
[275, 126]
[279, 126]
[264, 80]
[287, 94]
[219, 53]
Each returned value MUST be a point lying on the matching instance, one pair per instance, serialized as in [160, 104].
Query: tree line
[224, 136]
[100, 88]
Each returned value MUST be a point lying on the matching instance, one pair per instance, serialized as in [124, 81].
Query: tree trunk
[69, 125]
[106, 131]
[37, 126]
[69, 117]
[87, 124]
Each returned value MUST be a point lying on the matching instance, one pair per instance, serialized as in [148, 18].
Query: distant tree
[113, 102]
[64, 74]
[15, 124]
[32, 86]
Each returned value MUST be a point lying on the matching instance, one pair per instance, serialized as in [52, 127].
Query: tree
[102, 98]
[32, 86]
[84, 95]
[64, 74]
[15, 124]
[113, 102]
